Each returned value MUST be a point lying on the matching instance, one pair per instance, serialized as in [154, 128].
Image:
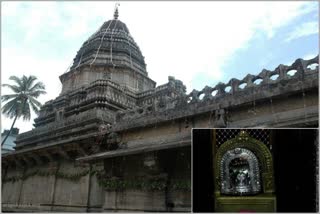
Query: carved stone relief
[240, 173]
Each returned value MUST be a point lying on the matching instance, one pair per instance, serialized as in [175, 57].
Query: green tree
[26, 91]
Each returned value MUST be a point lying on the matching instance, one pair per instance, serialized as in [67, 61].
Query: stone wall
[37, 189]
[46, 188]
[71, 195]
[72, 187]
[11, 190]
[171, 167]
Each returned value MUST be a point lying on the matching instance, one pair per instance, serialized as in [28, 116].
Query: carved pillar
[21, 185]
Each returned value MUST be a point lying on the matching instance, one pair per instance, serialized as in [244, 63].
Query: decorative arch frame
[261, 151]
[253, 174]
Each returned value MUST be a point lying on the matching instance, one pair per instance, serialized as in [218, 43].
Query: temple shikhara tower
[114, 141]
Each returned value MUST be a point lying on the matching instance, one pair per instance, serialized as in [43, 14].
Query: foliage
[25, 93]
[68, 176]
[72, 177]
[26, 90]
[112, 183]
[141, 183]
[181, 185]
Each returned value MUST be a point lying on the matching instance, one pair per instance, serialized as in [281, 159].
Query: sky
[200, 43]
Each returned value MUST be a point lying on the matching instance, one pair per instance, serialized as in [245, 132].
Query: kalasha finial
[116, 12]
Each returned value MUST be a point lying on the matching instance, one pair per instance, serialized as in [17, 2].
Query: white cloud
[305, 29]
[15, 62]
[39, 18]
[177, 38]
[183, 39]
[9, 8]
[310, 56]
[278, 14]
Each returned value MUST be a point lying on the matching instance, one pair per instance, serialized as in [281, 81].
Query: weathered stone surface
[143, 201]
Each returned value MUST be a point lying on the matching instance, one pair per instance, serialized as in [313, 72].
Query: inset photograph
[255, 170]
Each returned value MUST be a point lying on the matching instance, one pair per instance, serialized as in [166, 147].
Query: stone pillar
[96, 192]
[54, 166]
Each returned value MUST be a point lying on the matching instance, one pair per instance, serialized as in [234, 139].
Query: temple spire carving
[116, 12]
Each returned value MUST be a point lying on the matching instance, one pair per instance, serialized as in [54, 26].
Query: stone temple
[114, 141]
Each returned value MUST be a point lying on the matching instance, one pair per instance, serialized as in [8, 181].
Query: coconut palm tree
[26, 90]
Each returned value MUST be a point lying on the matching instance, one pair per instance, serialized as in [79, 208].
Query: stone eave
[63, 130]
[149, 145]
[93, 103]
[49, 145]
[87, 66]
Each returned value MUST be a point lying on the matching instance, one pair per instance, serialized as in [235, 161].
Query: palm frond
[35, 102]
[14, 88]
[34, 107]
[25, 113]
[36, 94]
[37, 86]
[30, 81]
[12, 108]
[24, 83]
[17, 80]
[6, 97]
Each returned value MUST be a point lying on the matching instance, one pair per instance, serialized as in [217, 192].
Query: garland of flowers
[143, 183]
[67, 176]
[72, 177]
[111, 183]
[184, 185]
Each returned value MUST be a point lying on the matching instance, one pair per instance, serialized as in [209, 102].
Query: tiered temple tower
[109, 54]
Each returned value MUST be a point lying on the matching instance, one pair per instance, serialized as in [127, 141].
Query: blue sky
[200, 43]
[263, 52]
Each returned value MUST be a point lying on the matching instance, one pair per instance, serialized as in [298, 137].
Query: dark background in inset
[202, 189]
[295, 170]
